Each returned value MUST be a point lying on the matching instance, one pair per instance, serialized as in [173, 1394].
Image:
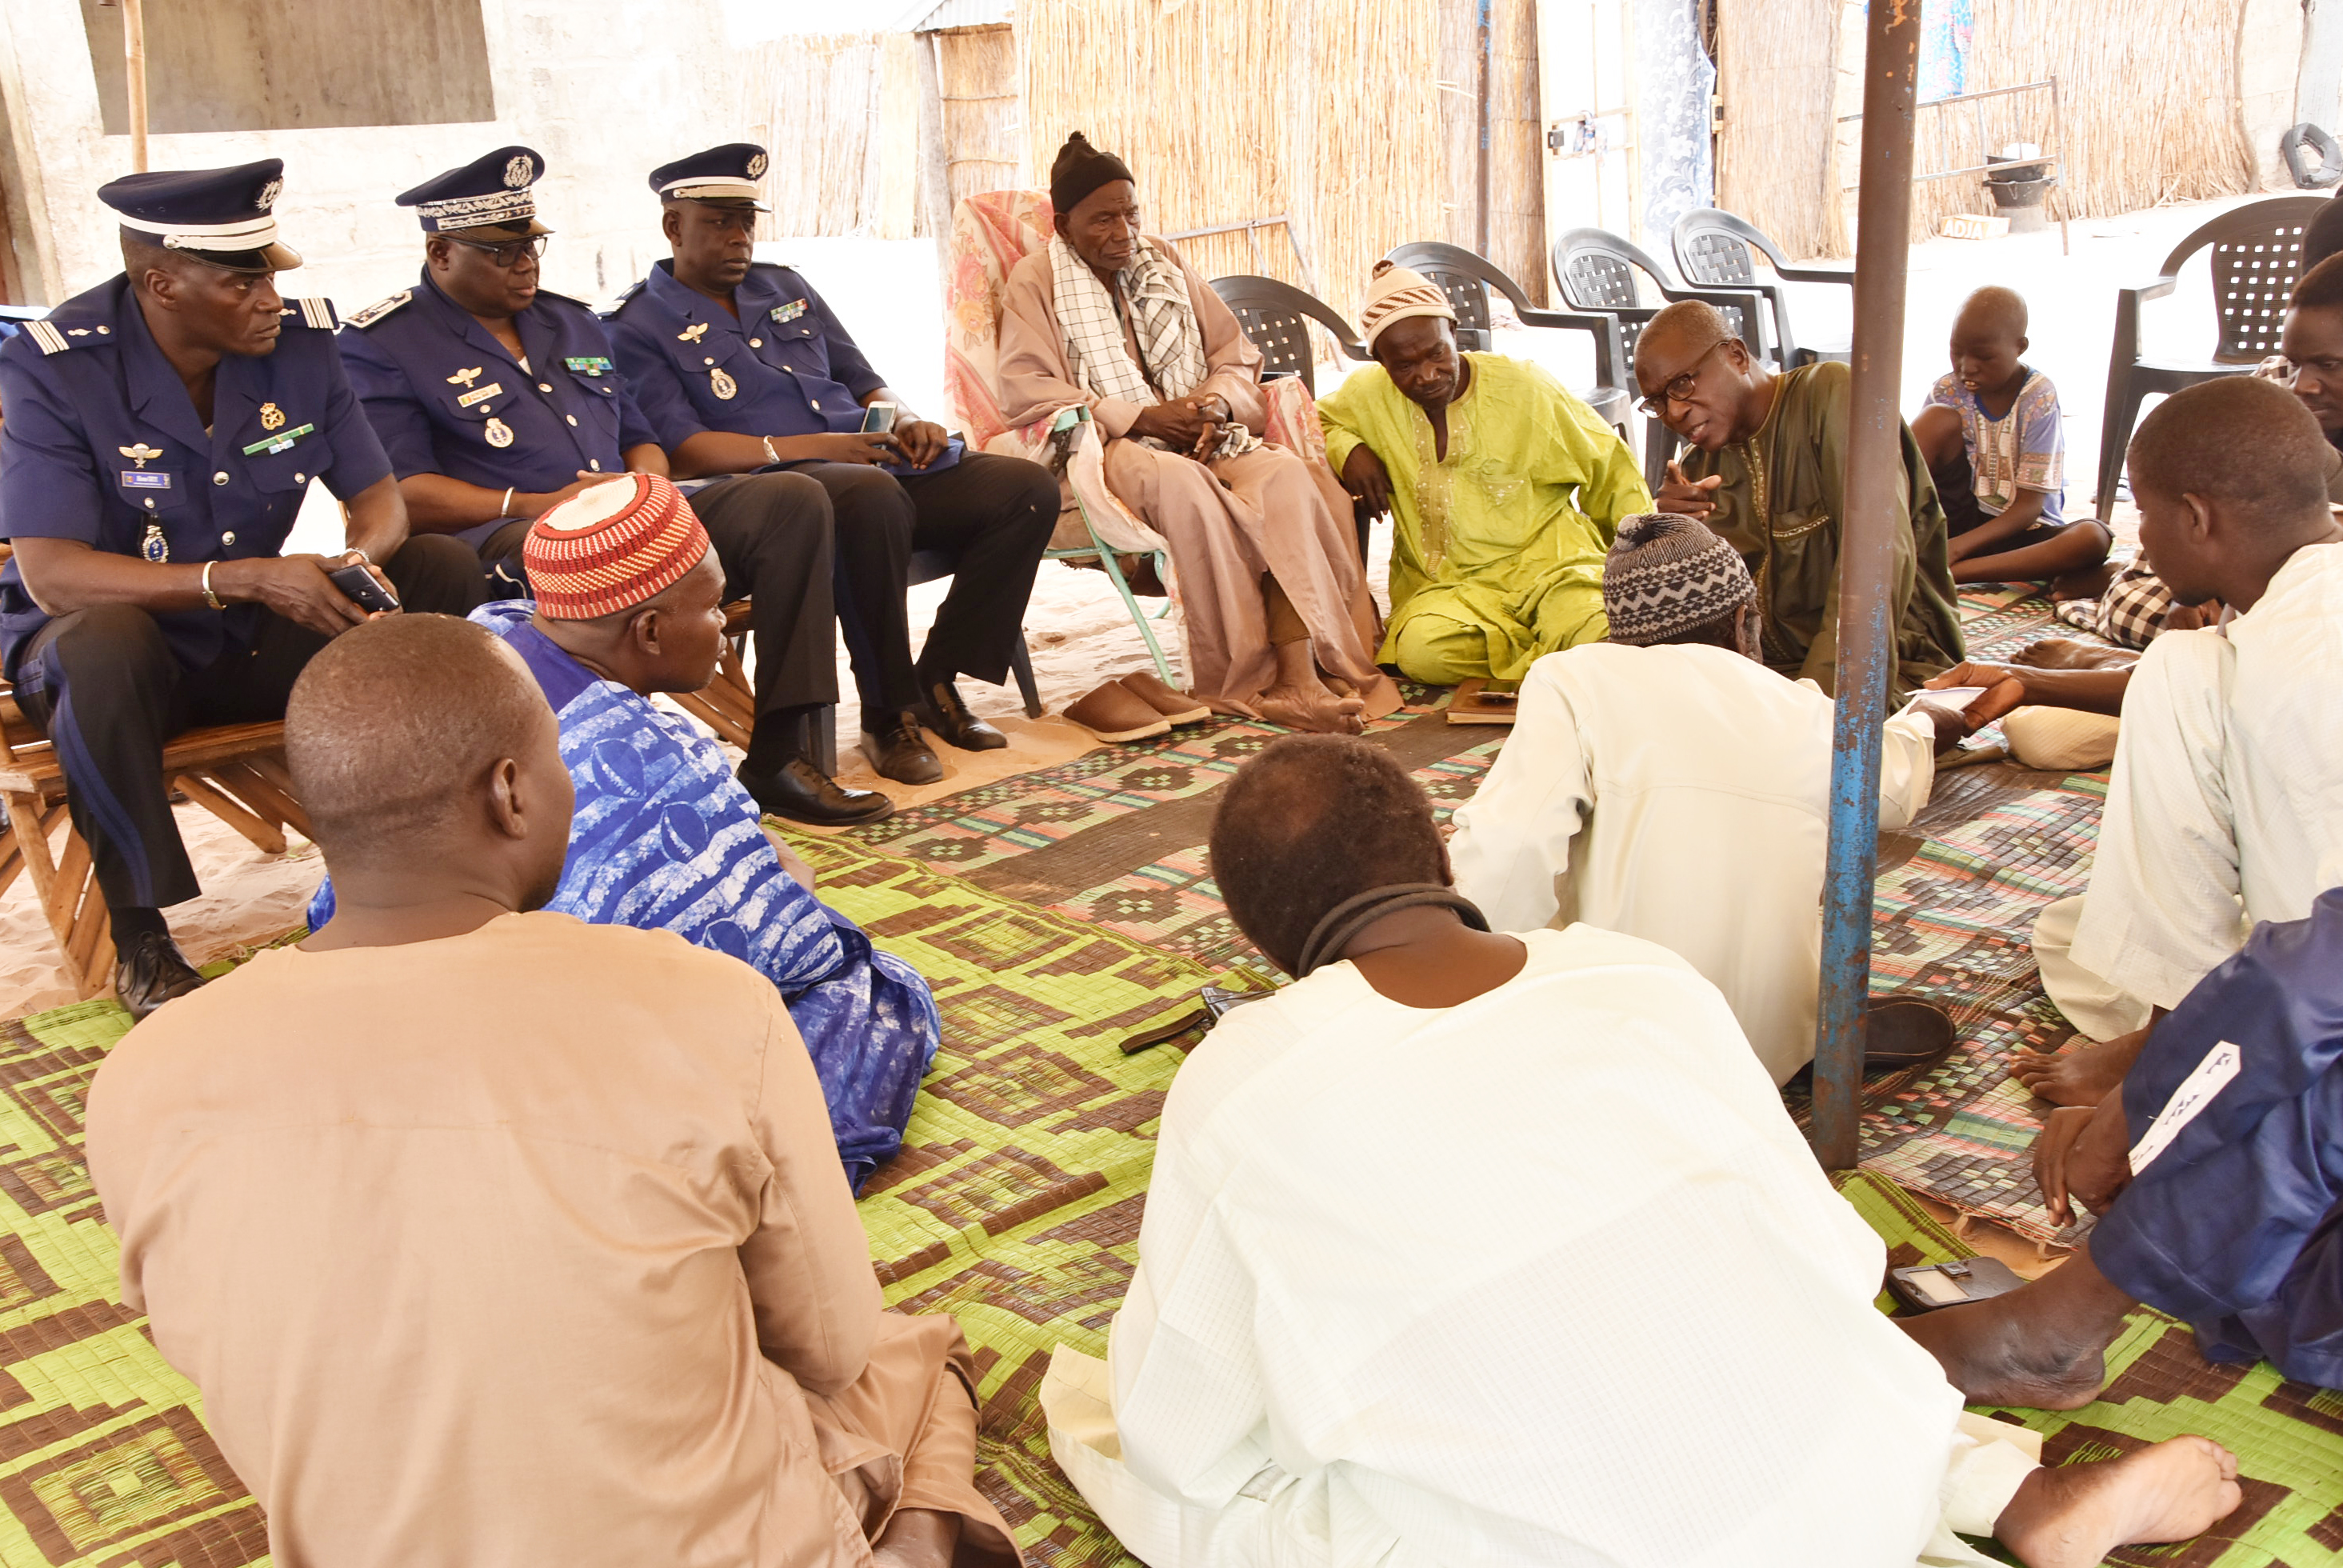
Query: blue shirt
[784, 367]
[103, 445]
[447, 398]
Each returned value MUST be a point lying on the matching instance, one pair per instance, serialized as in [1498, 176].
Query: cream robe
[575, 1280]
[2225, 805]
[1681, 794]
[1227, 522]
[1378, 1320]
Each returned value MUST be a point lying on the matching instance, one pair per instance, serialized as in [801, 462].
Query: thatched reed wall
[1777, 77]
[983, 108]
[2149, 93]
[1356, 120]
[836, 111]
[2148, 105]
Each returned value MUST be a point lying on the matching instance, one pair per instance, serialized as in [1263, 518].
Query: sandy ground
[1076, 626]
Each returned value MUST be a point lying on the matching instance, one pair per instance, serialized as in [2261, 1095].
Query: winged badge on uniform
[140, 453]
[466, 378]
[693, 333]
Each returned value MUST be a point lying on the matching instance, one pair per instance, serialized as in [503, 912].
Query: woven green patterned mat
[2287, 1436]
[1015, 1205]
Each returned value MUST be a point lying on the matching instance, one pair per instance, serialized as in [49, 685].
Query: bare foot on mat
[2082, 1074]
[1312, 708]
[2073, 1515]
[1993, 1359]
[2066, 653]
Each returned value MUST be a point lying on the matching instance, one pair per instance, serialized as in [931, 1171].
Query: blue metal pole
[1866, 642]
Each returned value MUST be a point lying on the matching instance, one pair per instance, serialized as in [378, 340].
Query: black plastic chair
[1276, 316]
[2257, 261]
[1712, 251]
[1466, 278]
[1595, 271]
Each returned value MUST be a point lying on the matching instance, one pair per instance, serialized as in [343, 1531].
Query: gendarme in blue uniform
[786, 366]
[102, 445]
[447, 398]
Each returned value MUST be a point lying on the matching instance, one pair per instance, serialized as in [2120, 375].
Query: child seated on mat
[1991, 434]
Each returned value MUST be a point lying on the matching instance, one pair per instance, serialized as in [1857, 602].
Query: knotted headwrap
[1079, 170]
[1396, 293]
[1666, 575]
[611, 548]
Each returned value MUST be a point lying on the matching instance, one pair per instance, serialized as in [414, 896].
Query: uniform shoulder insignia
[317, 313]
[48, 337]
[378, 309]
[631, 290]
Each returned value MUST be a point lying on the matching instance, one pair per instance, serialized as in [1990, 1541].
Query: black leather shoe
[150, 972]
[900, 752]
[802, 792]
[943, 712]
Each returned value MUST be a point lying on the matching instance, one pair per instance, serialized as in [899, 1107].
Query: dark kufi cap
[225, 217]
[1666, 575]
[491, 191]
[1079, 170]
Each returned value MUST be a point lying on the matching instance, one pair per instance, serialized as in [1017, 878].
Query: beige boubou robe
[1228, 521]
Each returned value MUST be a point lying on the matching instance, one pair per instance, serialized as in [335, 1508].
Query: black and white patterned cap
[1668, 574]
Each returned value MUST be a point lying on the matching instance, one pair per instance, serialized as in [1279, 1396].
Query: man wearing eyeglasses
[1767, 471]
[497, 400]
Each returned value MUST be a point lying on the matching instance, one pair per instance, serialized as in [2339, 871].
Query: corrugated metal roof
[965, 14]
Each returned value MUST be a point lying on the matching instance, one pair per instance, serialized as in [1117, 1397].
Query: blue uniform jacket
[786, 366]
[103, 445]
[447, 398]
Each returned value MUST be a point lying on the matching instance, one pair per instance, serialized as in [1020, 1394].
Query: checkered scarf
[1162, 318]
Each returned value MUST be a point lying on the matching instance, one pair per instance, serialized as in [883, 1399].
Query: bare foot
[2088, 582]
[2066, 653]
[2082, 1074]
[2073, 1515]
[1995, 1359]
[1312, 708]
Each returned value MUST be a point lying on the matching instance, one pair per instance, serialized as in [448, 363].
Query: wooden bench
[234, 771]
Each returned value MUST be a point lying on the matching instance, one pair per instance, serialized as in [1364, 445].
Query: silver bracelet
[361, 554]
[506, 505]
[770, 456]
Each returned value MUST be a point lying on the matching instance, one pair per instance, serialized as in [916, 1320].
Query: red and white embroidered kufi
[611, 548]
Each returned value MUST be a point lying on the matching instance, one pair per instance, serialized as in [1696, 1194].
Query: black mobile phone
[1928, 1286]
[877, 418]
[358, 586]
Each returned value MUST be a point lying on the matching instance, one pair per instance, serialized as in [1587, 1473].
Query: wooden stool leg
[67, 889]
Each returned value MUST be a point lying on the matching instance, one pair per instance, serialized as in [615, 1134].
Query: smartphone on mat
[877, 418]
[358, 586]
[1928, 1286]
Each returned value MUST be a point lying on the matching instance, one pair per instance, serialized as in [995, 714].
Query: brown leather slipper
[1904, 1031]
[1115, 712]
[1174, 705]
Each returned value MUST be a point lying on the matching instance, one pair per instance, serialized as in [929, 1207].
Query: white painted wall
[2270, 48]
[606, 89]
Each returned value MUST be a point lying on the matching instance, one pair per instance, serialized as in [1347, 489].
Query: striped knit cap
[612, 546]
[1666, 575]
[1396, 293]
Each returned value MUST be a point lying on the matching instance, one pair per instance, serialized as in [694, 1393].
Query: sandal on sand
[1174, 705]
[1115, 712]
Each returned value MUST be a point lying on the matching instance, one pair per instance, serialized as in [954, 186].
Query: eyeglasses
[1679, 387]
[507, 255]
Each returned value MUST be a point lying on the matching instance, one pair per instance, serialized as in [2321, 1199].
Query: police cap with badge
[726, 176]
[221, 217]
[492, 195]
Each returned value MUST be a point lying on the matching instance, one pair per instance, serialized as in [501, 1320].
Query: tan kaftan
[567, 1278]
[1228, 521]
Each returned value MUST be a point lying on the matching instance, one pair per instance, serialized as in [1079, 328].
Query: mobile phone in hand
[358, 586]
[877, 418]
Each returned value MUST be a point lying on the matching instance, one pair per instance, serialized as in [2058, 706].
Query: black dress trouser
[991, 514]
[105, 686]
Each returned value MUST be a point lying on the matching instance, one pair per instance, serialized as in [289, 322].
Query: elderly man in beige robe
[1280, 623]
